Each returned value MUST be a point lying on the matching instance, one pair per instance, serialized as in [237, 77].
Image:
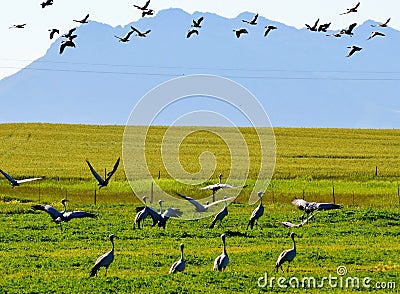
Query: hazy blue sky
[20, 47]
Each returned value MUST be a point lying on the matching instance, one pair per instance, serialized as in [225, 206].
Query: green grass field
[37, 257]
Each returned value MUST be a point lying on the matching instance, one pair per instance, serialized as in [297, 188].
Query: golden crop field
[356, 163]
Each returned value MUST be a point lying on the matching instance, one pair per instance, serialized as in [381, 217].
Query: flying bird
[239, 32]
[66, 43]
[18, 26]
[382, 25]
[220, 215]
[314, 27]
[69, 34]
[191, 32]
[253, 21]
[53, 32]
[349, 30]
[105, 260]
[84, 20]
[337, 35]
[144, 7]
[197, 23]
[257, 212]
[350, 10]
[353, 49]
[200, 207]
[324, 27]
[107, 176]
[178, 266]
[14, 182]
[54, 213]
[47, 3]
[147, 12]
[126, 38]
[268, 29]
[215, 187]
[287, 255]
[309, 207]
[222, 261]
[139, 33]
[374, 34]
[63, 216]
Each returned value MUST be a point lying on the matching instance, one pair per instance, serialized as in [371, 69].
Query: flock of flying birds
[160, 218]
[196, 25]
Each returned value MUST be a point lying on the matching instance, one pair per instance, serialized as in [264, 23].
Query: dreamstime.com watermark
[339, 280]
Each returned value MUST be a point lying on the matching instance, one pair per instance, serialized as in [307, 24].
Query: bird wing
[199, 207]
[218, 201]
[287, 224]
[27, 180]
[153, 214]
[8, 177]
[177, 266]
[54, 213]
[328, 206]
[135, 30]
[86, 17]
[77, 214]
[217, 262]
[128, 34]
[307, 219]
[316, 23]
[355, 7]
[226, 186]
[62, 47]
[95, 174]
[300, 203]
[254, 18]
[146, 5]
[146, 32]
[352, 26]
[200, 20]
[109, 175]
[172, 212]
[210, 187]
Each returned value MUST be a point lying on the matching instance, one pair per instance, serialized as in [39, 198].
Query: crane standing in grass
[222, 261]
[220, 215]
[287, 255]
[178, 266]
[105, 260]
[142, 214]
[257, 213]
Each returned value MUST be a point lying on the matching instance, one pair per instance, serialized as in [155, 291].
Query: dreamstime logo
[199, 103]
[332, 281]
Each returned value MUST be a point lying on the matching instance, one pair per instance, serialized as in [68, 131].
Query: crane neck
[224, 251]
[160, 207]
[112, 244]
[181, 253]
[294, 243]
[65, 208]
